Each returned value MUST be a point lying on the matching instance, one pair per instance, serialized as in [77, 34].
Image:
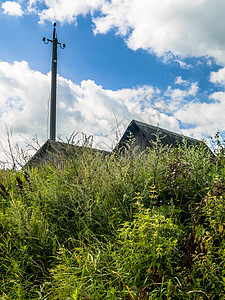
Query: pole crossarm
[54, 42]
[46, 41]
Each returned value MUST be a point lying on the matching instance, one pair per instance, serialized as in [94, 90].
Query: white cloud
[63, 10]
[173, 99]
[12, 8]
[183, 64]
[180, 80]
[203, 119]
[218, 77]
[23, 94]
[184, 28]
[95, 110]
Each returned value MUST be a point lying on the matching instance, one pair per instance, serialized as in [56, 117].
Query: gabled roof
[54, 151]
[150, 133]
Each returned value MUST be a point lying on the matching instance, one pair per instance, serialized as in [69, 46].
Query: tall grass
[110, 227]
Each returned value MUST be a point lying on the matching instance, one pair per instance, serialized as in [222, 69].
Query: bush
[147, 227]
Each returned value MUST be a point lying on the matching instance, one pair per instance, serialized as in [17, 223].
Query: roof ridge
[163, 129]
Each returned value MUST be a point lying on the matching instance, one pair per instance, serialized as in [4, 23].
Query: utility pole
[54, 42]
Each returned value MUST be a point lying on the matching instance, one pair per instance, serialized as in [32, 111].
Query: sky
[157, 61]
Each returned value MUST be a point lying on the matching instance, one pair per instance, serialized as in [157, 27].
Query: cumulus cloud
[183, 28]
[218, 77]
[174, 98]
[23, 102]
[65, 11]
[203, 119]
[101, 113]
[180, 80]
[12, 8]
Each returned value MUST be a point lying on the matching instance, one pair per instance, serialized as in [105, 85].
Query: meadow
[115, 227]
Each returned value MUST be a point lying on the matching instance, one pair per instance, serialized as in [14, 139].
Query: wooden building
[143, 137]
[59, 153]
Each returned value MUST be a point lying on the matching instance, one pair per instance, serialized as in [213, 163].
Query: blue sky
[161, 62]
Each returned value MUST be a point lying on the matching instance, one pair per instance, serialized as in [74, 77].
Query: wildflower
[197, 208]
[178, 187]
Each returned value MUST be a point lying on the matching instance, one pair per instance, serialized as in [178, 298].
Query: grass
[147, 227]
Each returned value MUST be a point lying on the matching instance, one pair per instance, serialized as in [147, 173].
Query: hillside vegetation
[112, 227]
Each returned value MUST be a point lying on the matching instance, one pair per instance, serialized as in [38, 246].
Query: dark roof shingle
[151, 133]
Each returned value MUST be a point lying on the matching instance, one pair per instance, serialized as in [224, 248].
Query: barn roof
[151, 133]
[52, 151]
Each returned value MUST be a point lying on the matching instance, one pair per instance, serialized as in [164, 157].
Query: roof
[151, 133]
[52, 151]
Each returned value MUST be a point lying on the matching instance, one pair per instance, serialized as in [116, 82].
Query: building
[58, 153]
[142, 136]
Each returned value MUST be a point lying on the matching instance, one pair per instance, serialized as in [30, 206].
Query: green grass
[114, 227]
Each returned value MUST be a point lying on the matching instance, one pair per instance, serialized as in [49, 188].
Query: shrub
[115, 227]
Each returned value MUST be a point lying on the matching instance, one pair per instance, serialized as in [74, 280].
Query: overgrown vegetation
[113, 227]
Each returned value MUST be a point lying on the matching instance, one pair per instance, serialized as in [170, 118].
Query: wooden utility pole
[54, 42]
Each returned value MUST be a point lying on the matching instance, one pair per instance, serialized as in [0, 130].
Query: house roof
[150, 133]
[51, 150]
